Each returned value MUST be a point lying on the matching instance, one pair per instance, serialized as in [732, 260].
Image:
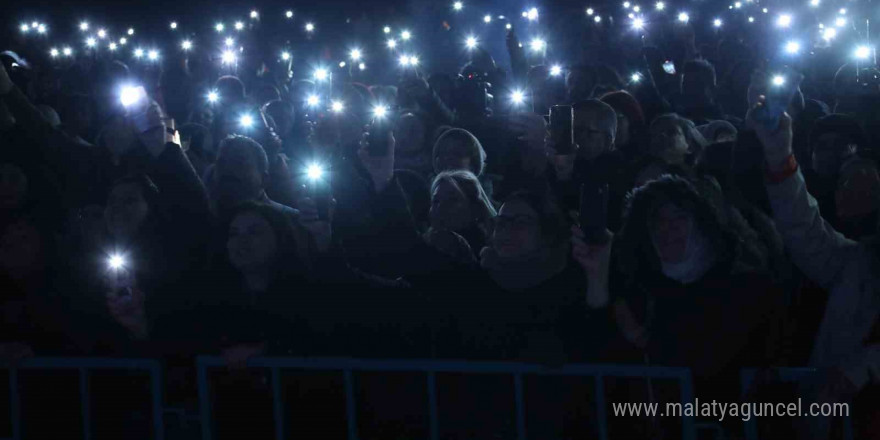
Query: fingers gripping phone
[780, 91]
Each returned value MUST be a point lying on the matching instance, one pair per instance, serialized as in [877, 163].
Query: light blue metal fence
[347, 367]
[782, 375]
[84, 366]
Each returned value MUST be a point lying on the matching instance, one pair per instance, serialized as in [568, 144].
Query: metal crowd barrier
[784, 375]
[348, 366]
[84, 366]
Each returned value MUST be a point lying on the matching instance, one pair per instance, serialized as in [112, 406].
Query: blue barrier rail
[348, 366]
[84, 366]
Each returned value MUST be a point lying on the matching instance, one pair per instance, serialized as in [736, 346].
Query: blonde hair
[469, 185]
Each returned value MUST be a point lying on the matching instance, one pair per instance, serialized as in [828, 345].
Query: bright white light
[765, 10]
[814, 3]
[717, 22]
[525, 14]
[355, 54]
[829, 34]
[751, 19]
[186, 45]
[487, 19]
[138, 53]
[254, 14]
[362, 66]
[67, 51]
[684, 17]
[102, 33]
[25, 28]
[288, 14]
[840, 22]
[386, 30]
[213, 97]
[173, 25]
[590, 11]
[246, 121]
[341, 64]
[597, 19]
[537, 45]
[405, 35]
[778, 80]
[660, 6]
[792, 47]
[310, 27]
[112, 46]
[313, 100]
[737, 5]
[518, 97]
[130, 31]
[638, 23]
[337, 106]
[637, 8]
[842, 11]
[508, 26]
[123, 41]
[230, 41]
[321, 74]
[631, 16]
[635, 77]
[41, 28]
[314, 172]
[533, 14]
[91, 42]
[228, 57]
[392, 43]
[153, 55]
[863, 52]
[470, 42]
[53, 52]
[219, 27]
[84, 26]
[413, 60]
[129, 95]
[556, 70]
[379, 111]
[285, 56]
[784, 20]
[626, 5]
[404, 60]
[34, 24]
[239, 25]
[457, 6]
[116, 262]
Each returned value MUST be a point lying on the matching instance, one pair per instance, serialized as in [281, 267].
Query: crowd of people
[180, 208]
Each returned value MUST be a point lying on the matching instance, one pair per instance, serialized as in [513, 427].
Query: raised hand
[381, 168]
[776, 141]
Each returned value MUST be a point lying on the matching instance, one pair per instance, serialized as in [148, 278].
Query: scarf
[698, 259]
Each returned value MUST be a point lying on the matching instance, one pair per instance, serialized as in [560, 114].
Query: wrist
[779, 170]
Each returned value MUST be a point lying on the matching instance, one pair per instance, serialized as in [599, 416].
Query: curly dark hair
[735, 244]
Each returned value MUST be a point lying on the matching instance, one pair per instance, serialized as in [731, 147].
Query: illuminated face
[668, 142]
[670, 227]
[251, 243]
[517, 230]
[449, 207]
[126, 210]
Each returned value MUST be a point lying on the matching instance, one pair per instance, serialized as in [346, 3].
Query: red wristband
[788, 169]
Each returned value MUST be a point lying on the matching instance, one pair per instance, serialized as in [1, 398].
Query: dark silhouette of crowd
[686, 216]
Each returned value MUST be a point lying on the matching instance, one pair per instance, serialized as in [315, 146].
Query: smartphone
[377, 140]
[319, 191]
[593, 213]
[780, 91]
[560, 129]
